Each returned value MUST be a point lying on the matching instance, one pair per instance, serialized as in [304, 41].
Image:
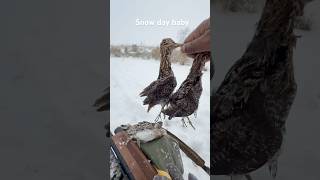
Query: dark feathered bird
[158, 91]
[250, 108]
[185, 100]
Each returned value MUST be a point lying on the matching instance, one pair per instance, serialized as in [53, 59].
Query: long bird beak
[177, 45]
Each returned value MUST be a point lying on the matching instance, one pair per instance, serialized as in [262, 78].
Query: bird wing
[159, 83]
[148, 88]
[241, 80]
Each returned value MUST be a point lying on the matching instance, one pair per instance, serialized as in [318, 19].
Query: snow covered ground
[300, 156]
[128, 78]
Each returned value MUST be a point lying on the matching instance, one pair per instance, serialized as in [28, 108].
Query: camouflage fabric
[163, 151]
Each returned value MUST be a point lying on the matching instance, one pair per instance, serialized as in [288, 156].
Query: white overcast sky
[124, 13]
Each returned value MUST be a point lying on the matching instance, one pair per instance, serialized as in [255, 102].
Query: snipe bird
[250, 108]
[159, 91]
[184, 102]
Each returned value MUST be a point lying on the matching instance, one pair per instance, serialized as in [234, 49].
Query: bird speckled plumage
[251, 105]
[144, 131]
[185, 100]
[158, 91]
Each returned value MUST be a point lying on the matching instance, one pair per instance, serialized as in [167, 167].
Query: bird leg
[164, 106]
[189, 121]
[164, 116]
[183, 122]
[159, 115]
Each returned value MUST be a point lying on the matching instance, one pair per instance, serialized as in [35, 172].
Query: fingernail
[183, 48]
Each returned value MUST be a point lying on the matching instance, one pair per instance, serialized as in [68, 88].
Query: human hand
[198, 40]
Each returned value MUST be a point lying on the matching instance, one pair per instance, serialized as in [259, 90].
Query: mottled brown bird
[144, 131]
[158, 91]
[250, 108]
[185, 100]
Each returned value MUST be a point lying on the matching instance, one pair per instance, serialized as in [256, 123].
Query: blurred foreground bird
[158, 91]
[103, 104]
[185, 100]
[250, 108]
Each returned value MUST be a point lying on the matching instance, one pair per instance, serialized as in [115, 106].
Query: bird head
[168, 43]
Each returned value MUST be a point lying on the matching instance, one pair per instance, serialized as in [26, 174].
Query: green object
[163, 151]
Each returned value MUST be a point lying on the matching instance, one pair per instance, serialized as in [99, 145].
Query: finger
[191, 55]
[202, 28]
[201, 44]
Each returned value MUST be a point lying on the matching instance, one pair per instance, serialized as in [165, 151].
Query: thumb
[198, 45]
